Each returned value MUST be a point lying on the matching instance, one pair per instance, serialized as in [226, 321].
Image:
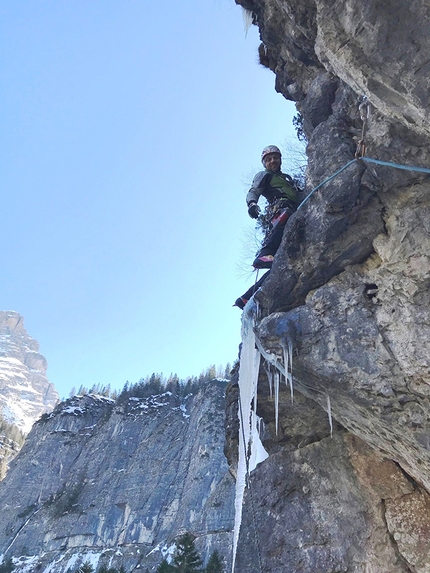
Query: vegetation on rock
[157, 383]
[11, 441]
[188, 560]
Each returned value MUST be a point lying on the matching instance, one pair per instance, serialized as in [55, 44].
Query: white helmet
[269, 149]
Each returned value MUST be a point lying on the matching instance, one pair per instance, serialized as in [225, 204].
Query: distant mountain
[25, 391]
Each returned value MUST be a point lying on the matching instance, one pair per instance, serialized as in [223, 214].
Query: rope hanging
[367, 160]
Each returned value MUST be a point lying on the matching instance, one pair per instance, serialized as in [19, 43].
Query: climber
[281, 193]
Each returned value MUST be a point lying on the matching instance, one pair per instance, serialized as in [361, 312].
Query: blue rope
[369, 160]
[326, 181]
[395, 165]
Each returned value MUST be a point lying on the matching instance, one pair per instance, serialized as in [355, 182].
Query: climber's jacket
[273, 186]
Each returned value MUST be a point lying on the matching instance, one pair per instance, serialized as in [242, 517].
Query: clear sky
[129, 130]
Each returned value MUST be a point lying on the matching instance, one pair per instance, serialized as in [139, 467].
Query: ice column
[251, 450]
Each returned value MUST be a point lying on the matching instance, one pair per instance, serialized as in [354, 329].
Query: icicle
[271, 358]
[269, 378]
[260, 425]
[248, 431]
[288, 364]
[330, 419]
[276, 380]
[248, 18]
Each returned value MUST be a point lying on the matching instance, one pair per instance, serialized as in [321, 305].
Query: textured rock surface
[25, 391]
[350, 289]
[114, 484]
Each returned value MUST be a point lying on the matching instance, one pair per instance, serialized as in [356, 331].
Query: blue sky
[128, 132]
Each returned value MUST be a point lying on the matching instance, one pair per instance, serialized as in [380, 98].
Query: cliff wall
[25, 391]
[115, 484]
[350, 289]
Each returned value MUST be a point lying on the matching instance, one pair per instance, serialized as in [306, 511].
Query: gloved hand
[254, 210]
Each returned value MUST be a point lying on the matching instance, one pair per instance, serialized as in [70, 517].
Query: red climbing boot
[263, 262]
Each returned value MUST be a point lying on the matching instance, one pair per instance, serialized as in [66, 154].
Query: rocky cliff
[25, 391]
[116, 483]
[349, 289]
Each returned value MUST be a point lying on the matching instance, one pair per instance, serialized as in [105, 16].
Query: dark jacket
[272, 186]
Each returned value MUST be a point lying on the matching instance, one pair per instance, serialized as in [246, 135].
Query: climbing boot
[240, 302]
[263, 262]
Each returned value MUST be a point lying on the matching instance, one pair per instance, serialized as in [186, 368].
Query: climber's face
[272, 162]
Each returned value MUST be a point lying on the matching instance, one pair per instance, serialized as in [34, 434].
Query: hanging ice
[288, 365]
[330, 419]
[276, 380]
[269, 378]
[248, 18]
[251, 450]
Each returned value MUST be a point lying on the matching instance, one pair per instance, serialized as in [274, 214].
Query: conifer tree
[187, 559]
[214, 564]
[7, 566]
[164, 567]
[106, 569]
[227, 371]
[85, 568]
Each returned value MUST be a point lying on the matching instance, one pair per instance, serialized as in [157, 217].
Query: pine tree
[227, 371]
[7, 566]
[85, 568]
[214, 564]
[164, 567]
[211, 372]
[187, 559]
[106, 569]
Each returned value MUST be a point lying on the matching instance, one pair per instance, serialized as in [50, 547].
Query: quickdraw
[364, 109]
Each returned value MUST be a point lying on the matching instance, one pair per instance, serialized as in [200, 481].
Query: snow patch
[25, 564]
[167, 551]
[75, 410]
[183, 409]
[91, 557]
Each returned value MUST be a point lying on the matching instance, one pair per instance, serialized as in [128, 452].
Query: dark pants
[254, 288]
[273, 240]
[274, 237]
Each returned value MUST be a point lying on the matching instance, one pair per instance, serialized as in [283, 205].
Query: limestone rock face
[350, 289]
[25, 391]
[115, 484]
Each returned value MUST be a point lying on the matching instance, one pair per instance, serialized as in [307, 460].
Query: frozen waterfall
[251, 450]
